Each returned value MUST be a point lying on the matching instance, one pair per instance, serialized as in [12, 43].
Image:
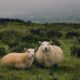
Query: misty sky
[39, 8]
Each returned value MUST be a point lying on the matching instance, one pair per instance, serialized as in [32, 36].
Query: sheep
[19, 60]
[48, 55]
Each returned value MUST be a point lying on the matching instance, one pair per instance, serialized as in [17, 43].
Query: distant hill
[70, 19]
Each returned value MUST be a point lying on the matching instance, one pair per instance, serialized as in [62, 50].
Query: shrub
[75, 51]
[72, 34]
[53, 33]
[76, 76]
[28, 23]
[4, 49]
[35, 31]
[11, 38]
[2, 77]
[56, 42]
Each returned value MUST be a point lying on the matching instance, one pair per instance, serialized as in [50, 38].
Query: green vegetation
[15, 35]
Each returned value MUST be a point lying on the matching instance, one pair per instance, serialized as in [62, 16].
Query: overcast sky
[39, 8]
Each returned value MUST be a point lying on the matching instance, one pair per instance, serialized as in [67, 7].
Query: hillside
[15, 35]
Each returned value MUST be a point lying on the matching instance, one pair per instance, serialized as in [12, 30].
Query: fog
[50, 10]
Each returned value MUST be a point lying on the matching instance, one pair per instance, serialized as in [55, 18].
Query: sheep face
[45, 46]
[30, 52]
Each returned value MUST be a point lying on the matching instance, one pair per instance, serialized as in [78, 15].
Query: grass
[68, 69]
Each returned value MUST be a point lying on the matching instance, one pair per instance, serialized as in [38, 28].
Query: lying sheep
[48, 55]
[19, 60]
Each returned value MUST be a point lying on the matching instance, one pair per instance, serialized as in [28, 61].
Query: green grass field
[68, 69]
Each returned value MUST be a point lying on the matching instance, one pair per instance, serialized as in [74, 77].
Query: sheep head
[30, 52]
[45, 46]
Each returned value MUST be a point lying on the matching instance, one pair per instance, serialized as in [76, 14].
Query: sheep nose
[46, 48]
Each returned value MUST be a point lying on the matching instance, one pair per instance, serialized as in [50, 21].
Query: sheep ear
[39, 42]
[25, 49]
[51, 42]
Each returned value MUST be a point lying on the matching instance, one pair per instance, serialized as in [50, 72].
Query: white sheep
[19, 60]
[48, 55]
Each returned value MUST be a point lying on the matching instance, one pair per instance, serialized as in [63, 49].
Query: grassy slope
[69, 69]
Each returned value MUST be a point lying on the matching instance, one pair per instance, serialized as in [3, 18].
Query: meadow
[15, 35]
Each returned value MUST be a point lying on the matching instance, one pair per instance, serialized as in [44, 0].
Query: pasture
[14, 36]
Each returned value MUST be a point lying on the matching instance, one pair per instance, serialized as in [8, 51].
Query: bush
[2, 77]
[35, 31]
[4, 49]
[52, 33]
[56, 42]
[76, 76]
[10, 38]
[72, 34]
[75, 51]
[28, 23]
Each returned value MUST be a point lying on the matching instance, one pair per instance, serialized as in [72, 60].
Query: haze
[49, 10]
